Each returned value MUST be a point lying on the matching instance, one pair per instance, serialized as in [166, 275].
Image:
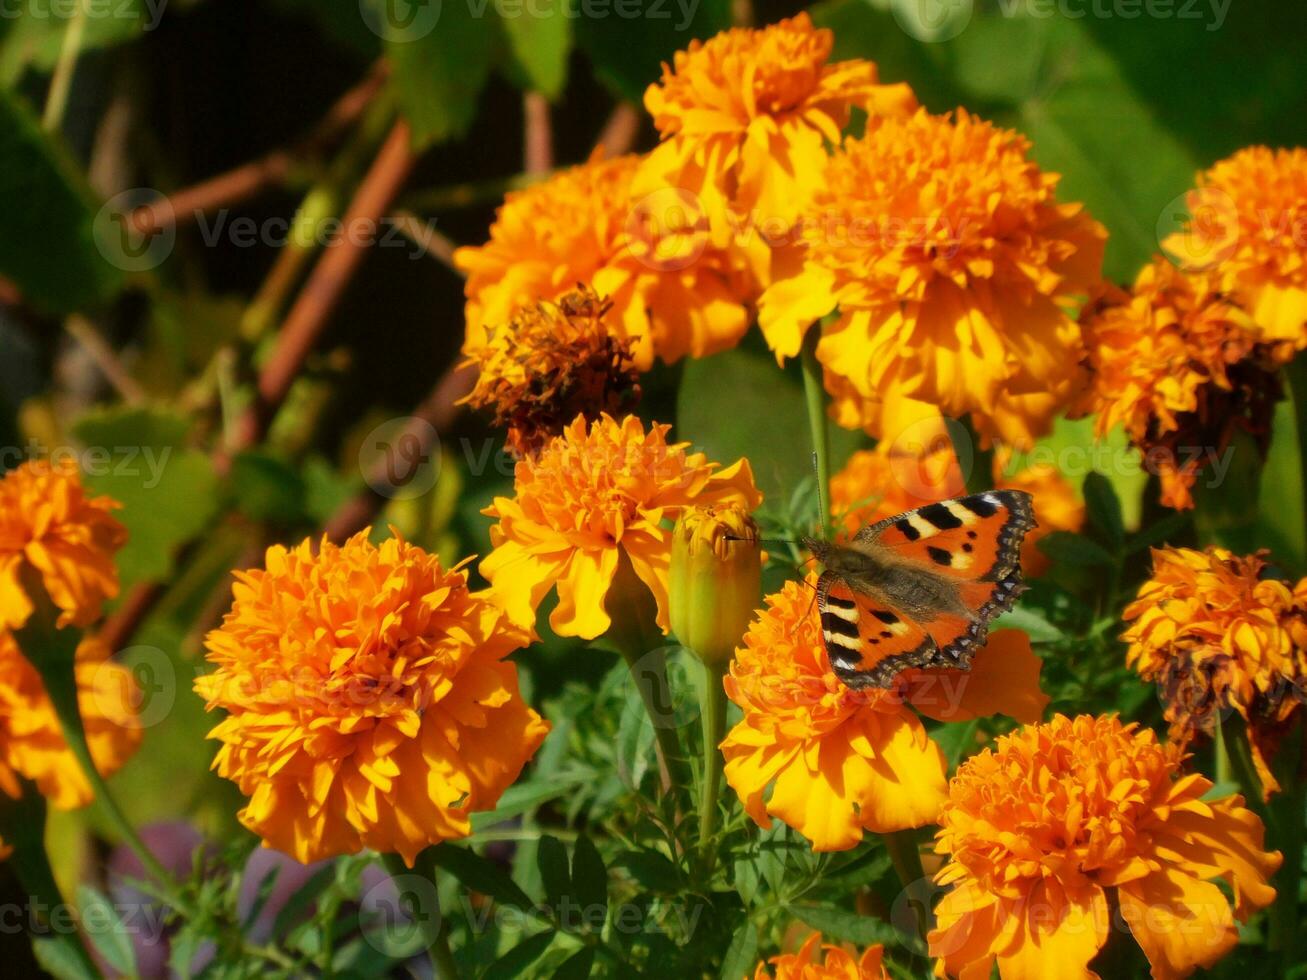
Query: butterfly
[920, 589]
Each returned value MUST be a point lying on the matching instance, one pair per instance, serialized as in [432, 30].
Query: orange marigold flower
[745, 119]
[1038, 829]
[1176, 362]
[31, 740]
[671, 293]
[841, 761]
[47, 521]
[548, 364]
[1248, 224]
[593, 497]
[952, 266]
[369, 702]
[1216, 634]
[837, 963]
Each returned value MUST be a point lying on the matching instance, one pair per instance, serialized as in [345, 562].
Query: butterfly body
[920, 589]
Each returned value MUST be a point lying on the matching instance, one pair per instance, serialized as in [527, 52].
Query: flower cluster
[1039, 830]
[840, 761]
[49, 523]
[1216, 634]
[368, 700]
[816, 960]
[1177, 362]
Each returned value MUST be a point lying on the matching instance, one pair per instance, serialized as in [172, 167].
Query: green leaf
[35, 35]
[49, 247]
[551, 859]
[297, 906]
[439, 73]
[539, 36]
[479, 874]
[742, 954]
[1160, 531]
[267, 489]
[578, 966]
[516, 961]
[653, 871]
[104, 927]
[589, 876]
[1076, 550]
[132, 426]
[58, 959]
[1104, 508]
[1030, 622]
[523, 798]
[851, 927]
[629, 43]
[169, 497]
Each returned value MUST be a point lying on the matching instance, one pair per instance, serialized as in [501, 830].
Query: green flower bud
[715, 580]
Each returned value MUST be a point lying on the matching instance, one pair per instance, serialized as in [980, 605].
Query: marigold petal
[1004, 679]
[1181, 923]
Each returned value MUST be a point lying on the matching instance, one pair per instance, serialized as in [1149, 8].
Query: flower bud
[715, 580]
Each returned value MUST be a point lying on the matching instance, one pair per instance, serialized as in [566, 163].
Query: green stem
[714, 730]
[815, 399]
[56, 100]
[1221, 749]
[903, 852]
[22, 825]
[1286, 819]
[435, 934]
[980, 476]
[53, 652]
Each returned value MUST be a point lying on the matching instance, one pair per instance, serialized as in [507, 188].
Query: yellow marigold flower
[548, 364]
[31, 740]
[1038, 829]
[1216, 635]
[48, 522]
[745, 119]
[369, 702]
[841, 761]
[952, 266]
[837, 963]
[1248, 223]
[671, 293]
[1176, 363]
[593, 497]
[890, 479]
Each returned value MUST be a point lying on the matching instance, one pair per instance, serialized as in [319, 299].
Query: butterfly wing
[974, 541]
[867, 642]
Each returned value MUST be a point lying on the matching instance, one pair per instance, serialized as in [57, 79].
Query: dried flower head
[1216, 633]
[369, 702]
[1039, 829]
[550, 363]
[49, 523]
[1176, 361]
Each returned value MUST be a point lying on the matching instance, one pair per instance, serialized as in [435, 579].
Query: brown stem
[620, 131]
[105, 358]
[325, 285]
[538, 154]
[433, 416]
[247, 180]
